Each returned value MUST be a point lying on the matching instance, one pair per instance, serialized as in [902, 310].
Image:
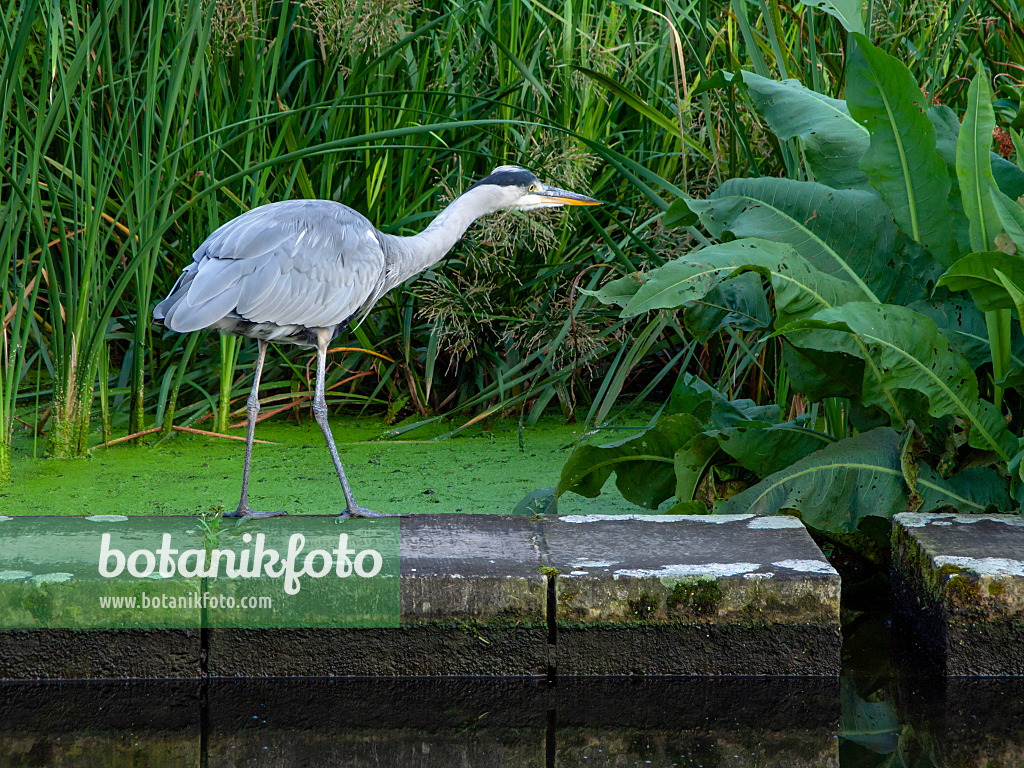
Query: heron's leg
[252, 409]
[320, 414]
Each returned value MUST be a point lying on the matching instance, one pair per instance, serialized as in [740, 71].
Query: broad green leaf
[739, 302]
[1011, 216]
[844, 233]
[691, 463]
[974, 489]
[819, 374]
[963, 325]
[679, 214]
[847, 11]
[976, 273]
[901, 161]
[687, 508]
[907, 274]
[709, 406]
[906, 356]
[1008, 177]
[765, 450]
[644, 465]
[833, 141]
[800, 289]
[618, 291]
[835, 488]
[872, 725]
[973, 167]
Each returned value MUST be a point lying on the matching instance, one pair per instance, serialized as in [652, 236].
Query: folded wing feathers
[307, 263]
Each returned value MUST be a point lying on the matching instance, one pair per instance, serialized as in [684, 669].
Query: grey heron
[297, 271]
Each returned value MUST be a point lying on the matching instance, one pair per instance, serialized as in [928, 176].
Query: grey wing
[311, 263]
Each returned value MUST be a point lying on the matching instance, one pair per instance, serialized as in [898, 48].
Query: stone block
[691, 594]
[958, 583]
[473, 601]
[469, 595]
[52, 593]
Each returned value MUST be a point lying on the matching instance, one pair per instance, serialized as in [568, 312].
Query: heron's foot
[357, 511]
[244, 510]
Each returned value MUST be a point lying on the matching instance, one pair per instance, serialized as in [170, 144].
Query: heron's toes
[358, 511]
[245, 511]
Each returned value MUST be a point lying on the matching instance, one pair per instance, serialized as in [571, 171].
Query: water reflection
[448, 722]
[860, 722]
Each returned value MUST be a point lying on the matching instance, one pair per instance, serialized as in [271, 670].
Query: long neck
[408, 256]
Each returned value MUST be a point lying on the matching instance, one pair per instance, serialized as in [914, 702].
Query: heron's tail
[163, 313]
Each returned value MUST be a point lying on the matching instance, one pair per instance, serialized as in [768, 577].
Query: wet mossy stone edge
[958, 589]
[500, 595]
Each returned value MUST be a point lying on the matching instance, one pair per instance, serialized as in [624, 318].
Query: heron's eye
[534, 188]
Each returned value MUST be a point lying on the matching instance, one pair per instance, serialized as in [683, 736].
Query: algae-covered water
[479, 470]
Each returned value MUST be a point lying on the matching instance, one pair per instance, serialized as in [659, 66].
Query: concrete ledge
[958, 584]
[514, 596]
[473, 602]
[39, 654]
[469, 648]
[692, 595]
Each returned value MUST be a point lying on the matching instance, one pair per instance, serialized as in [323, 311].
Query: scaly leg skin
[320, 414]
[252, 409]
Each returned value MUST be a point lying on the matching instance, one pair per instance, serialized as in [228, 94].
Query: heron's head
[509, 186]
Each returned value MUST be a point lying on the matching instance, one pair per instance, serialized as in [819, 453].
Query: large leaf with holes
[835, 488]
[644, 465]
[767, 449]
[905, 357]
[833, 141]
[963, 325]
[709, 406]
[800, 288]
[901, 161]
[819, 374]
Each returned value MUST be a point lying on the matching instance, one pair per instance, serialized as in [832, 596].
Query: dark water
[478, 722]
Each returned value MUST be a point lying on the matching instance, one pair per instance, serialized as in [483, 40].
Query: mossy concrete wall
[695, 594]
[517, 596]
[958, 584]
